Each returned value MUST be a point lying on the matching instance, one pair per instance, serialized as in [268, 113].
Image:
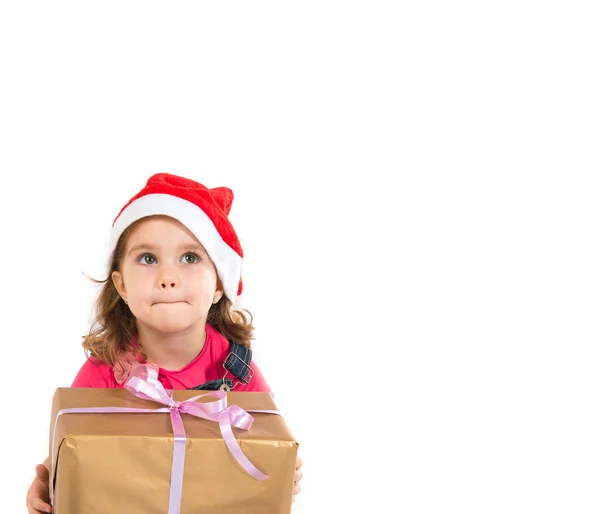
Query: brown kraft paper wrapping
[121, 463]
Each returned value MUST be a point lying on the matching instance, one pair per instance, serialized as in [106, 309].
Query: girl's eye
[190, 258]
[147, 258]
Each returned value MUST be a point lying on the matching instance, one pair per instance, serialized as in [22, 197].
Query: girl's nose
[167, 277]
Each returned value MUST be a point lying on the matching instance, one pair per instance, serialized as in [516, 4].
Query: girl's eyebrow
[140, 247]
[153, 248]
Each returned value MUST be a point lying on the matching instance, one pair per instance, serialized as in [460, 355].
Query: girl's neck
[172, 351]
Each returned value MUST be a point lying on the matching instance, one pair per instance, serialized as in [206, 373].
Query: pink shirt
[208, 365]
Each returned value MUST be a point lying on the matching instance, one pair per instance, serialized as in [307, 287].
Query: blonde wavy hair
[114, 327]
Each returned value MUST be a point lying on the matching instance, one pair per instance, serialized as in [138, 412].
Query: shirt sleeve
[95, 373]
[257, 384]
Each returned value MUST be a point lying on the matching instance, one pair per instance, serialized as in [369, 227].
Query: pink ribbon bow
[149, 388]
[143, 383]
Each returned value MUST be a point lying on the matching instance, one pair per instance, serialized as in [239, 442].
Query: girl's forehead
[162, 230]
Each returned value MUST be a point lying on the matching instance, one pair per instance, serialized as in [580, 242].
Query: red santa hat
[202, 210]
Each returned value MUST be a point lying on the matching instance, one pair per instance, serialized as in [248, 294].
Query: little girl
[174, 274]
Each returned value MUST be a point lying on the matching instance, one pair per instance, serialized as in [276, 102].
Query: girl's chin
[168, 324]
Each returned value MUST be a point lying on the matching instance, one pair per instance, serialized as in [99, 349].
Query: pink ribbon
[143, 383]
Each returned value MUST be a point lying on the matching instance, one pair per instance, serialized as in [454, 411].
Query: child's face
[166, 276]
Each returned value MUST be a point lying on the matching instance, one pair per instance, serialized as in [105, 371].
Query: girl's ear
[217, 296]
[117, 279]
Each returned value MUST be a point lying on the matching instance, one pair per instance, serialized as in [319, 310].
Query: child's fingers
[40, 506]
[41, 472]
[297, 477]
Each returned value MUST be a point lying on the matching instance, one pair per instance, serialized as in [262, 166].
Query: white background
[417, 196]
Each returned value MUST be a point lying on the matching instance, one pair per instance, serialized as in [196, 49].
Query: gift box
[126, 460]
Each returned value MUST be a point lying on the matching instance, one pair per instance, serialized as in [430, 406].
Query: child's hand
[38, 496]
[297, 478]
